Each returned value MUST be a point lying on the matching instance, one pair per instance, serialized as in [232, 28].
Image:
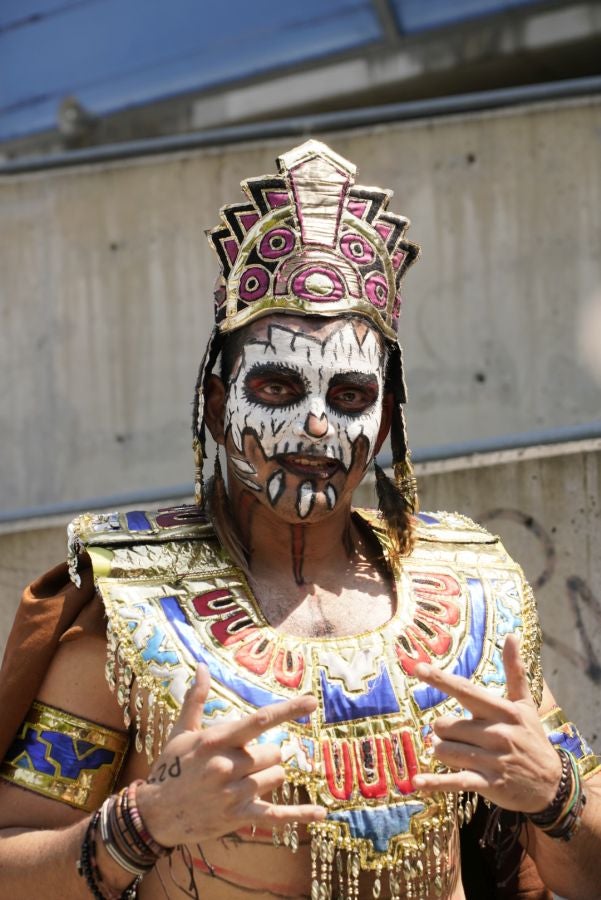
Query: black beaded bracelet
[87, 867]
[563, 817]
[86, 864]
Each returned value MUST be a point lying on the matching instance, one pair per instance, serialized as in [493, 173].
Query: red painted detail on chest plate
[371, 771]
[258, 649]
[369, 766]
[437, 612]
[255, 654]
[214, 602]
[289, 667]
[171, 516]
[402, 760]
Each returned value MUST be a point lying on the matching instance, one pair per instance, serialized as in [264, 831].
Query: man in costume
[214, 678]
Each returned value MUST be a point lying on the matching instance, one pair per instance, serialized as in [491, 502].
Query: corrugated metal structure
[95, 58]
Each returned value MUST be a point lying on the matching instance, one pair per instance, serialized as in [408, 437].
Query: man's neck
[314, 580]
[299, 553]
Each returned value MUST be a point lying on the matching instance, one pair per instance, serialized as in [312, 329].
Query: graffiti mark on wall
[535, 528]
[578, 593]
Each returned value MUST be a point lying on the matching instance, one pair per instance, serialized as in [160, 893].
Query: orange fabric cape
[52, 610]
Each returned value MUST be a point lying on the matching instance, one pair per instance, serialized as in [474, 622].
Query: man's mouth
[312, 466]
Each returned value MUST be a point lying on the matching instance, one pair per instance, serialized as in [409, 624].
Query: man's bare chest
[322, 612]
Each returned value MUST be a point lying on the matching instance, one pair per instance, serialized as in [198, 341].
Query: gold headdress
[312, 242]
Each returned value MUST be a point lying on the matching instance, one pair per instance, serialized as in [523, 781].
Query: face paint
[299, 407]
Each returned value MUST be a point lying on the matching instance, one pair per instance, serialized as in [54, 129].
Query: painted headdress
[312, 242]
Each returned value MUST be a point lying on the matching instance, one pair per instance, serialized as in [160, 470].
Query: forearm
[571, 868]
[44, 863]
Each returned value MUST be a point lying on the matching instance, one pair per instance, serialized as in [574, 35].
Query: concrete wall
[105, 293]
[544, 502]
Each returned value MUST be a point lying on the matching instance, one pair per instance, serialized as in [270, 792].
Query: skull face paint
[303, 412]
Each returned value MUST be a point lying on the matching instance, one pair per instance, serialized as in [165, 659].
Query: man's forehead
[339, 342]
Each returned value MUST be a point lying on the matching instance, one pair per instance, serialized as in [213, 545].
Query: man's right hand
[210, 781]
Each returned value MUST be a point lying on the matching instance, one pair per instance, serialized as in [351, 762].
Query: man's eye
[352, 399]
[273, 391]
[349, 396]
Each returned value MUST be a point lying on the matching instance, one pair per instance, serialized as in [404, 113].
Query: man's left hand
[502, 752]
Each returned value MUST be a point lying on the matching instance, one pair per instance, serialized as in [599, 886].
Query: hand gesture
[502, 752]
[210, 781]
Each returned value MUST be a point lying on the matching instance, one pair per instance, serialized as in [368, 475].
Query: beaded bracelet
[127, 841]
[125, 836]
[553, 811]
[563, 817]
[133, 813]
[571, 818]
[87, 867]
[116, 844]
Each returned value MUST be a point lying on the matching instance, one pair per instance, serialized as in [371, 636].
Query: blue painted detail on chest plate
[378, 699]
[380, 824]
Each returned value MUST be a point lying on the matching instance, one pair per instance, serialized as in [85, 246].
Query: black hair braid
[397, 513]
[204, 372]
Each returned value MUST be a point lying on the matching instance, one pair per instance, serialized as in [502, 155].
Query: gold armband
[564, 734]
[64, 757]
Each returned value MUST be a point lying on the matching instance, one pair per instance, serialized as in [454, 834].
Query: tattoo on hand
[164, 771]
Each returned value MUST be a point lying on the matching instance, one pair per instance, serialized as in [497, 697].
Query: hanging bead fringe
[421, 870]
[150, 735]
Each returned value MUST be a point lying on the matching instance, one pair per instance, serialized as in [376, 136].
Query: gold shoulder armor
[175, 523]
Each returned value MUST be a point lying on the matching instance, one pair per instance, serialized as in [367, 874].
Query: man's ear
[214, 411]
[387, 408]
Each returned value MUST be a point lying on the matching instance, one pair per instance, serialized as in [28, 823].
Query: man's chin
[308, 506]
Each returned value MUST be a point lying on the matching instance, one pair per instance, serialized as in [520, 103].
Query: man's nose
[316, 425]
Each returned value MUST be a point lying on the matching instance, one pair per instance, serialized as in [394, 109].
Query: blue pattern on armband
[568, 739]
[565, 735]
[53, 753]
[63, 757]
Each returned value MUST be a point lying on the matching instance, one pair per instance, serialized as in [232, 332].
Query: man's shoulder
[437, 527]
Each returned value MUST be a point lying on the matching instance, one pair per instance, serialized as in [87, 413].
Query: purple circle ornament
[357, 249]
[319, 284]
[376, 289]
[276, 243]
[254, 283]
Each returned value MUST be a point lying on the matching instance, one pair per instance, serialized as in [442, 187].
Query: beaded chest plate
[174, 599]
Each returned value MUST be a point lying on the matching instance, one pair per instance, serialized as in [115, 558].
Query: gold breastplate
[174, 599]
